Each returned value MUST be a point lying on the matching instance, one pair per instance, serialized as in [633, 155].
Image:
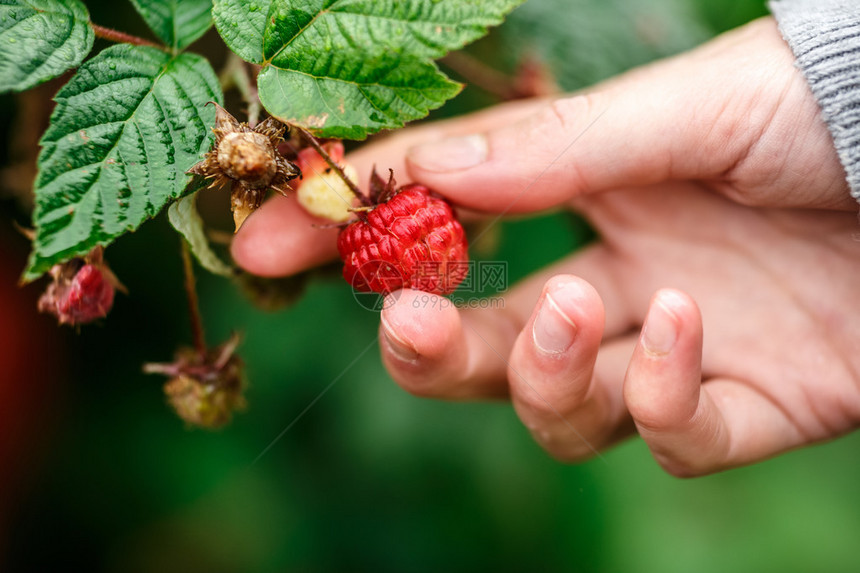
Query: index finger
[280, 239]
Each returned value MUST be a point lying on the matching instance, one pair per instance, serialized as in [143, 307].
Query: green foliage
[184, 217]
[347, 69]
[126, 128]
[370, 477]
[586, 41]
[177, 23]
[242, 26]
[41, 39]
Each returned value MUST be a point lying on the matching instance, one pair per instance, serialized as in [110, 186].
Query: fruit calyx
[381, 191]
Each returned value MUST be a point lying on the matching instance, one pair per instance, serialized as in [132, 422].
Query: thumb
[678, 119]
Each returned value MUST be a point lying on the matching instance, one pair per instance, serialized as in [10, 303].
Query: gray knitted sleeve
[825, 38]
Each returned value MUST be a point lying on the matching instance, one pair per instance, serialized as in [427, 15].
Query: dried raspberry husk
[248, 159]
[204, 389]
[82, 290]
[208, 403]
[410, 239]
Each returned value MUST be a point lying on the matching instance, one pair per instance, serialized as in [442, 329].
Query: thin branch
[249, 94]
[193, 303]
[314, 142]
[121, 37]
[481, 75]
[533, 77]
[225, 76]
[235, 74]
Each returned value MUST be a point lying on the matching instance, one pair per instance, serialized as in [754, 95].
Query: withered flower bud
[82, 290]
[204, 390]
[247, 158]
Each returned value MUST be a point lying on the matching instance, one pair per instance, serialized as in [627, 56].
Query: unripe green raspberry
[322, 192]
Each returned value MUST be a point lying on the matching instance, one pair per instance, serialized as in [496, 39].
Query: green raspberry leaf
[397, 90]
[178, 23]
[41, 39]
[184, 217]
[349, 68]
[125, 130]
[242, 25]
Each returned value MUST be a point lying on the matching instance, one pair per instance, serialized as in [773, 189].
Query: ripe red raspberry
[82, 290]
[410, 239]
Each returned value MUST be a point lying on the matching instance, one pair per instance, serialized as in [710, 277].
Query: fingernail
[661, 327]
[451, 154]
[553, 331]
[401, 349]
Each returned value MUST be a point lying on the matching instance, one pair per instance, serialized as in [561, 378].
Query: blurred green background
[101, 476]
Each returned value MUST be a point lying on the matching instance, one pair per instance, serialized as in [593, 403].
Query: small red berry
[90, 297]
[82, 290]
[410, 239]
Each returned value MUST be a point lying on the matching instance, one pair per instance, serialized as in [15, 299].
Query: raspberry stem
[532, 79]
[314, 142]
[235, 74]
[193, 302]
[481, 75]
[121, 37]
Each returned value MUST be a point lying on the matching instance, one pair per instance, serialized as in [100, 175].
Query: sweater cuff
[825, 38]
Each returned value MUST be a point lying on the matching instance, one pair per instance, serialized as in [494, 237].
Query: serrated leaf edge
[28, 83]
[28, 275]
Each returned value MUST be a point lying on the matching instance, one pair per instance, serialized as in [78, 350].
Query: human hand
[710, 173]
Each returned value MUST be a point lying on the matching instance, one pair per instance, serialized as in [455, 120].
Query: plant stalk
[193, 302]
[314, 142]
[121, 37]
[236, 74]
[481, 75]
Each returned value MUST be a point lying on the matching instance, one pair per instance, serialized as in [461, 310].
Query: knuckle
[416, 388]
[547, 390]
[420, 385]
[413, 377]
[656, 414]
[559, 124]
[562, 446]
[571, 453]
[555, 434]
[681, 469]
[649, 417]
[530, 401]
[566, 113]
